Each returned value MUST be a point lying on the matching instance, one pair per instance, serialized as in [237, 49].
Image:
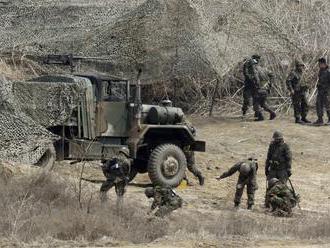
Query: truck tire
[47, 160]
[167, 165]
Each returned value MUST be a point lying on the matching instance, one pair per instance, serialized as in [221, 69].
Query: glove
[289, 173]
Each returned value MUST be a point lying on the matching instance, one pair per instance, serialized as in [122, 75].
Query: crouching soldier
[116, 171]
[165, 199]
[280, 198]
[247, 176]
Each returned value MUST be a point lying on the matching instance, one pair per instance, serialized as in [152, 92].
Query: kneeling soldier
[165, 199]
[280, 198]
[247, 176]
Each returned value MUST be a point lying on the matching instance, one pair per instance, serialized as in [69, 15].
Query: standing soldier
[251, 79]
[323, 89]
[298, 93]
[190, 156]
[116, 171]
[279, 159]
[165, 199]
[266, 79]
[247, 176]
[280, 198]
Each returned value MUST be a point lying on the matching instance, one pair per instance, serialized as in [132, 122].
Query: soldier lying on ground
[247, 176]
[165, 199]
[280, 198]
[116, 171]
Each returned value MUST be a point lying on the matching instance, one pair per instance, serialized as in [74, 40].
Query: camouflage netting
[27, 108]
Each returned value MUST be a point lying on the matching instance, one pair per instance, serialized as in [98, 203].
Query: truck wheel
[167, 165]
[47, 160]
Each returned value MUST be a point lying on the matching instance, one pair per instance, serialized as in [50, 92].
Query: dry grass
[39, 207]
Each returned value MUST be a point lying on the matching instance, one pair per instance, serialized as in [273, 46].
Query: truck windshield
[114, 91]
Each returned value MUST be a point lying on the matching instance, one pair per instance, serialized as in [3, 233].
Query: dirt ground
[208, 218]
[210, 208]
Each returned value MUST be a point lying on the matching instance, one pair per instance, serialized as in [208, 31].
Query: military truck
[107, 118]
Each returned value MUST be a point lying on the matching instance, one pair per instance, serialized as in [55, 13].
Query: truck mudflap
[198, 146]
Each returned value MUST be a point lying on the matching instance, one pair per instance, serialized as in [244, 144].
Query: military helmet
[245, 169]
[278, 135]
[272, 182]
[149, 192]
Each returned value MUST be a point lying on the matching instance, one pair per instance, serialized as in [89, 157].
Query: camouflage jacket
[280, 196]
[266, 78]
[324, 80]
[250, 74]
[279, 157]
[249, 179]
[164, 196]
[293, 81]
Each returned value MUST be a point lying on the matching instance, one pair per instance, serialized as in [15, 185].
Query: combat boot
[319, 121]
[298, 120]
[259, 117]
[328, 112]
[201, 180]
[272, 116]
[305, 120]
[250, 207]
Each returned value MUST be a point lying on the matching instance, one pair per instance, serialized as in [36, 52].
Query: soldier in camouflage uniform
[165, 199]
[266, 79]
[190, 156]
[116, 171]
[298, 93]
[251, 79]
[247, 176]
[280, 198]
[279, 159]
[323, 94]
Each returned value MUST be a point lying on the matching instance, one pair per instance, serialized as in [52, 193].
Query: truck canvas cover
[27, 108]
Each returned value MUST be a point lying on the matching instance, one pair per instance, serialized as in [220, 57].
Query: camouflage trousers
[261, 102]
[281, 175]
[248, 97]
[108, 184]
[300, 104]
[283, 209]
[250, 189]
[165, 210]
[322, 102]
[191, 164]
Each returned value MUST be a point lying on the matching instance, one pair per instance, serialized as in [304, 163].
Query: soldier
[251, 79]
[116, 171]
[247, 176]
[266, 79]
[191, 165]
[323, 89]
[165, 199]
[298, 93]
[190, 156]
[280, 198]
[279, 158]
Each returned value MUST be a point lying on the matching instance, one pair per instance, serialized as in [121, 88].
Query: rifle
[294, 193]
[92, 180]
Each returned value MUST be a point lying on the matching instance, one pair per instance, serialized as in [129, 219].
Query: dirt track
[208, 211]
